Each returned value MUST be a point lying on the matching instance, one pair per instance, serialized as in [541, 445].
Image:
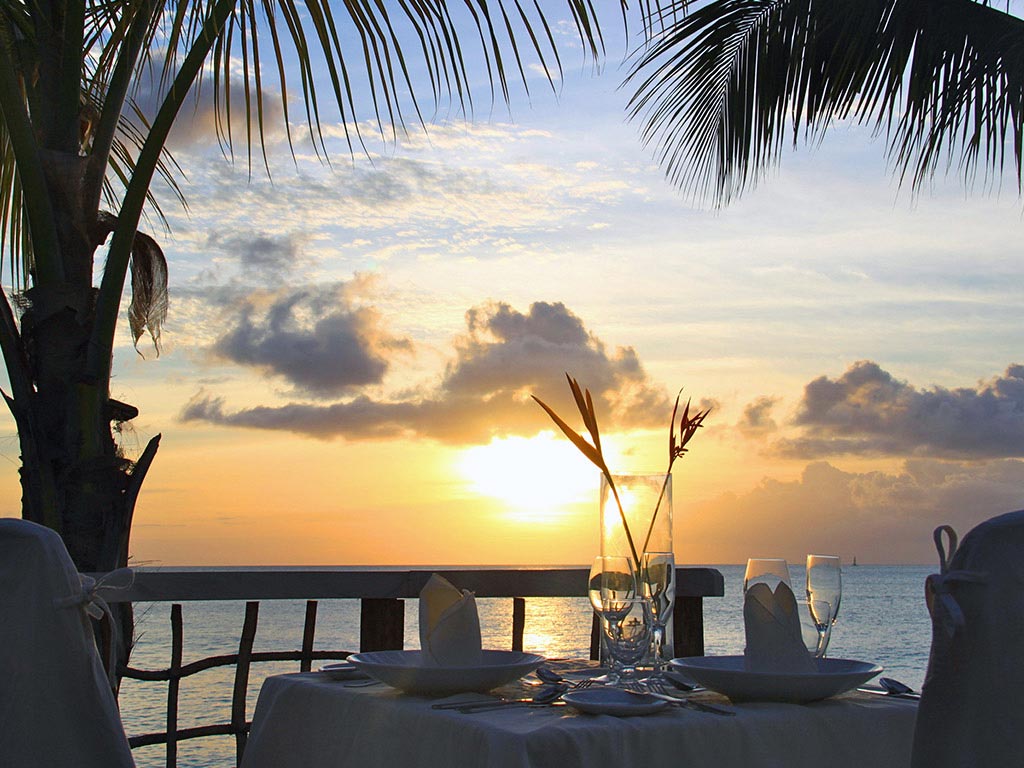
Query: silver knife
[881, 692]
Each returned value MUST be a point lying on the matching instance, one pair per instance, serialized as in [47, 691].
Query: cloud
[259, 252]
[457, 190]
[504, 357]
[757, 418]
[196, 123]
[867, 411]
[312, 337]
[255, 255]
[890, 515]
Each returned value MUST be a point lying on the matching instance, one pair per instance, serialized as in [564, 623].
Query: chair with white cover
[56, 705]
[972, 702]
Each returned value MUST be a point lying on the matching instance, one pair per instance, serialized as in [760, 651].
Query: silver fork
[658, 689]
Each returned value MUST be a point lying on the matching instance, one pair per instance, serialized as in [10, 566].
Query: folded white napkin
[772, 624]
[449, 626]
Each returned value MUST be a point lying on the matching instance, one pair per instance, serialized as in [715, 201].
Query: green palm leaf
[721, 91]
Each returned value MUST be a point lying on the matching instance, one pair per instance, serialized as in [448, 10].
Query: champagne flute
[768, 570]
[825, 583]
[658, 585]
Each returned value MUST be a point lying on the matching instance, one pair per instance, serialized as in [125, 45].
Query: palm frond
[147, 310]
[15, 243]
[720, 90]
[369, 55]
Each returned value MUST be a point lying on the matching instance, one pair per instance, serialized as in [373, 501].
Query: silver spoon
[896, 688]
[548, 675]
[892, 688]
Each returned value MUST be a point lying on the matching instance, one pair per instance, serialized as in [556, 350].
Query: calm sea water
[882, 619]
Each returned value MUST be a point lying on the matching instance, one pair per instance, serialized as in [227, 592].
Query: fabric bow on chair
[972, 702]
[56, 706]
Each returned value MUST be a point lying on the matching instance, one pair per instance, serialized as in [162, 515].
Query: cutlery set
[550, 696]
[557, 686]
[658, 689]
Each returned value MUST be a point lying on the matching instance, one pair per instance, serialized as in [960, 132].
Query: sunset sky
[351, 349]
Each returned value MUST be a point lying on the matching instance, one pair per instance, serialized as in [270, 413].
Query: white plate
[612, 701]
[727, 675]
[403, 670]
[342, 670]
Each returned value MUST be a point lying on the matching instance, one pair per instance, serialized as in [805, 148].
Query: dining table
[309, 720]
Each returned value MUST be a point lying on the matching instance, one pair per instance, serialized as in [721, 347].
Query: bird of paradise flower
[688, 426]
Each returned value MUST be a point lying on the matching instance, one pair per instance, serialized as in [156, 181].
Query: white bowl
[727, 675]
[405, 671]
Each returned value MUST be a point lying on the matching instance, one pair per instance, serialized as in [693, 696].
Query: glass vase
[639, 521]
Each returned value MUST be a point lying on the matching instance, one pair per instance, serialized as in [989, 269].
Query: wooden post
[238, 724]
[173, 683]
[308, 632]
[688, 626]
[518, 622]
[595, 638]
[381, 624]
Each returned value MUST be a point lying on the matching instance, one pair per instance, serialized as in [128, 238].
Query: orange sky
[346, 344]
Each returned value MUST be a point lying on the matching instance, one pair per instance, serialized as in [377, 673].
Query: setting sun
[535, 477]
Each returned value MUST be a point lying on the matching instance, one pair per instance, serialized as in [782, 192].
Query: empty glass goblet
[612, 580]
[769, 570]
[658, 585]
[816, 625]
[628, 633]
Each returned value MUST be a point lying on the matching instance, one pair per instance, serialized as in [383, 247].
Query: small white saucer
[612, 701]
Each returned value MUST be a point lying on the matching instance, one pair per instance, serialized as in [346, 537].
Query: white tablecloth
[310, 721]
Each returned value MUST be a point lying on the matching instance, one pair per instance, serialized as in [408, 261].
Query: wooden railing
[382, 618]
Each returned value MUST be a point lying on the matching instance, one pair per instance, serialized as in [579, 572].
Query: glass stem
[658, 659]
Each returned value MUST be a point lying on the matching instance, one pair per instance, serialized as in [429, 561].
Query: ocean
[882, 619]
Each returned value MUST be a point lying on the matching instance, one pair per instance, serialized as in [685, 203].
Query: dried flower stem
[687, 429]
[585, 404]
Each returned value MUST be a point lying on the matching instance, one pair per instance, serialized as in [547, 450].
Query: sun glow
[535, 477]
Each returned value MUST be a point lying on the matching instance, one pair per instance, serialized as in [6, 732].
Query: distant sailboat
[855, 561]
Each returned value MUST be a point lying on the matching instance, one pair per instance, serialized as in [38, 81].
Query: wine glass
[627, 630]
[612, 580]
[825, 583]
[658, 585]
[768, 570]
[818, 630]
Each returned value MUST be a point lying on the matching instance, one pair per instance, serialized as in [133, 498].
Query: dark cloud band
[505, 356]
[867, 411]
[313, 338]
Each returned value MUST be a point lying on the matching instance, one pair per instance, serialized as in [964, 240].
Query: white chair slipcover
[56, 705]
[972, 703]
